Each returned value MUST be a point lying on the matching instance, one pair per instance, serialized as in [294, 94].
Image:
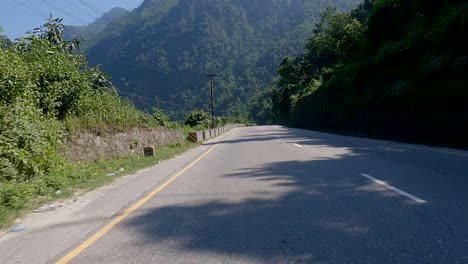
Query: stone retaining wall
[90, 145]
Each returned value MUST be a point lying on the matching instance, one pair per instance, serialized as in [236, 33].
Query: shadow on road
[312, 212]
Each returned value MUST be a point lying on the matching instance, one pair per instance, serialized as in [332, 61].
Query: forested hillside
[89, 34]
[390, 68]
[164, 48]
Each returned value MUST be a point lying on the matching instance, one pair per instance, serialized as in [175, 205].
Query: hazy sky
[16, 19]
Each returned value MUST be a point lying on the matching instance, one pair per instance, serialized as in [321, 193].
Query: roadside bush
[198, 118]
[106, 110]
[16, 195]
[27, 141]
[58, 80]
[234, 120]
[161, 118]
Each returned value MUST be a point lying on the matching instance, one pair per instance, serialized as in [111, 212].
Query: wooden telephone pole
[211, 76]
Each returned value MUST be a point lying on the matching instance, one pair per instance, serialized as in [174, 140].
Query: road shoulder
[66, 226]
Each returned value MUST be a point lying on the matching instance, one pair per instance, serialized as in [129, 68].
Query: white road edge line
[412, 197]
[297, 145]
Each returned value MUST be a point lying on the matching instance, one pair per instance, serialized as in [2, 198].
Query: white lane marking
[412, 197]
[297, 145]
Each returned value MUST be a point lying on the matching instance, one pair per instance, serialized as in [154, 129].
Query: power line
[79, 8]
[157, 100]
[94, 9]
[65, 12]
[30, 8]
[88, 5]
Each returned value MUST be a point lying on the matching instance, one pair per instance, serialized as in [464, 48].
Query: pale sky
[16, 19]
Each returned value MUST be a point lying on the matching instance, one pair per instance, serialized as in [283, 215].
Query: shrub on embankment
[46, 93]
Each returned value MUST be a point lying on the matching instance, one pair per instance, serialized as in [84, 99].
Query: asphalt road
[278, 195]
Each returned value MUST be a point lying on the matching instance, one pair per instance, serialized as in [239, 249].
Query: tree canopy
[389, 67]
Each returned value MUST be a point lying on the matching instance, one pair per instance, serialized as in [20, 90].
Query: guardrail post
[196, 136]
[206, 134]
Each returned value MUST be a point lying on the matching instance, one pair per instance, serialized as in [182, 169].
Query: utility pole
[211, 76]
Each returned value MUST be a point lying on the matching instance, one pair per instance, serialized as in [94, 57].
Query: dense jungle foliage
[389, 68]
[164, 48]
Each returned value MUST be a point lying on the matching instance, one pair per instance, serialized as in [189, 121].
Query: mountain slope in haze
[90, 32]
[164, 48]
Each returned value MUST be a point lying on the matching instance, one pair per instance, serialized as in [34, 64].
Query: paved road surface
[272, 195]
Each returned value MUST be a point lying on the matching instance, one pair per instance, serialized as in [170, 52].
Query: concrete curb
[200, 136]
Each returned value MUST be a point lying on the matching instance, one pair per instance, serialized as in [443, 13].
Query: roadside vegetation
[19, 198]
[389, 68]
[46, 92]
[200, 120]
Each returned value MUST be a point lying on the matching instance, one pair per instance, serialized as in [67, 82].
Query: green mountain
[164, 48]
[90, 33]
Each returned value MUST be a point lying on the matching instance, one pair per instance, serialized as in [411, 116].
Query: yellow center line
[75, 252]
